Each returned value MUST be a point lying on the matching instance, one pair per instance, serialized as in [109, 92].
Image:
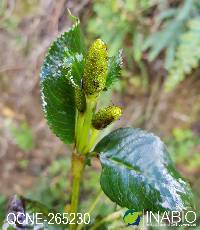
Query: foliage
[173, 21]
[135, 164]
[178, 36]
[172, 30]
[127, 155]
[58, 103]
[63, 68]
[116, 21]
[185, 60]
[85, 135]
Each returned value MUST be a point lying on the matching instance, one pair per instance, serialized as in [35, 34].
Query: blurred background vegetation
[159, 89]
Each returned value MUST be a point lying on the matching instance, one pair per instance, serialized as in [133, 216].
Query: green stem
[78, 163]
[108, 218]
[91, 104]
[79, 125]
[93, 138]
[92, 207]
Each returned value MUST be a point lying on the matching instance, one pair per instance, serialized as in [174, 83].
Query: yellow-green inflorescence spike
[80, 100]
[106, 116]
[95, 73]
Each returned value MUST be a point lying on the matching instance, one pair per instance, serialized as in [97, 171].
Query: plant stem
[91, 104]
[108, 218]
[93, 138]
[79, 125]
[78, 163]
[91, 208]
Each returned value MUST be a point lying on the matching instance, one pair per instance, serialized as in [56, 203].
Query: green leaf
[137, 172]
[62, 69]
[114, 69]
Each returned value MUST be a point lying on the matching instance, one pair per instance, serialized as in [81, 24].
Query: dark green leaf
[138, 173]
[114, 69]
[62, 68]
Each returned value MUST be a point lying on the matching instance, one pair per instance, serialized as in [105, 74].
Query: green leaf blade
[60, 115]
[114, 69]
[61, 70]
[138, 173]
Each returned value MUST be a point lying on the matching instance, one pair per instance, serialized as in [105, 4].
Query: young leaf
[62, 68]
[114, 69]
[137, 172]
